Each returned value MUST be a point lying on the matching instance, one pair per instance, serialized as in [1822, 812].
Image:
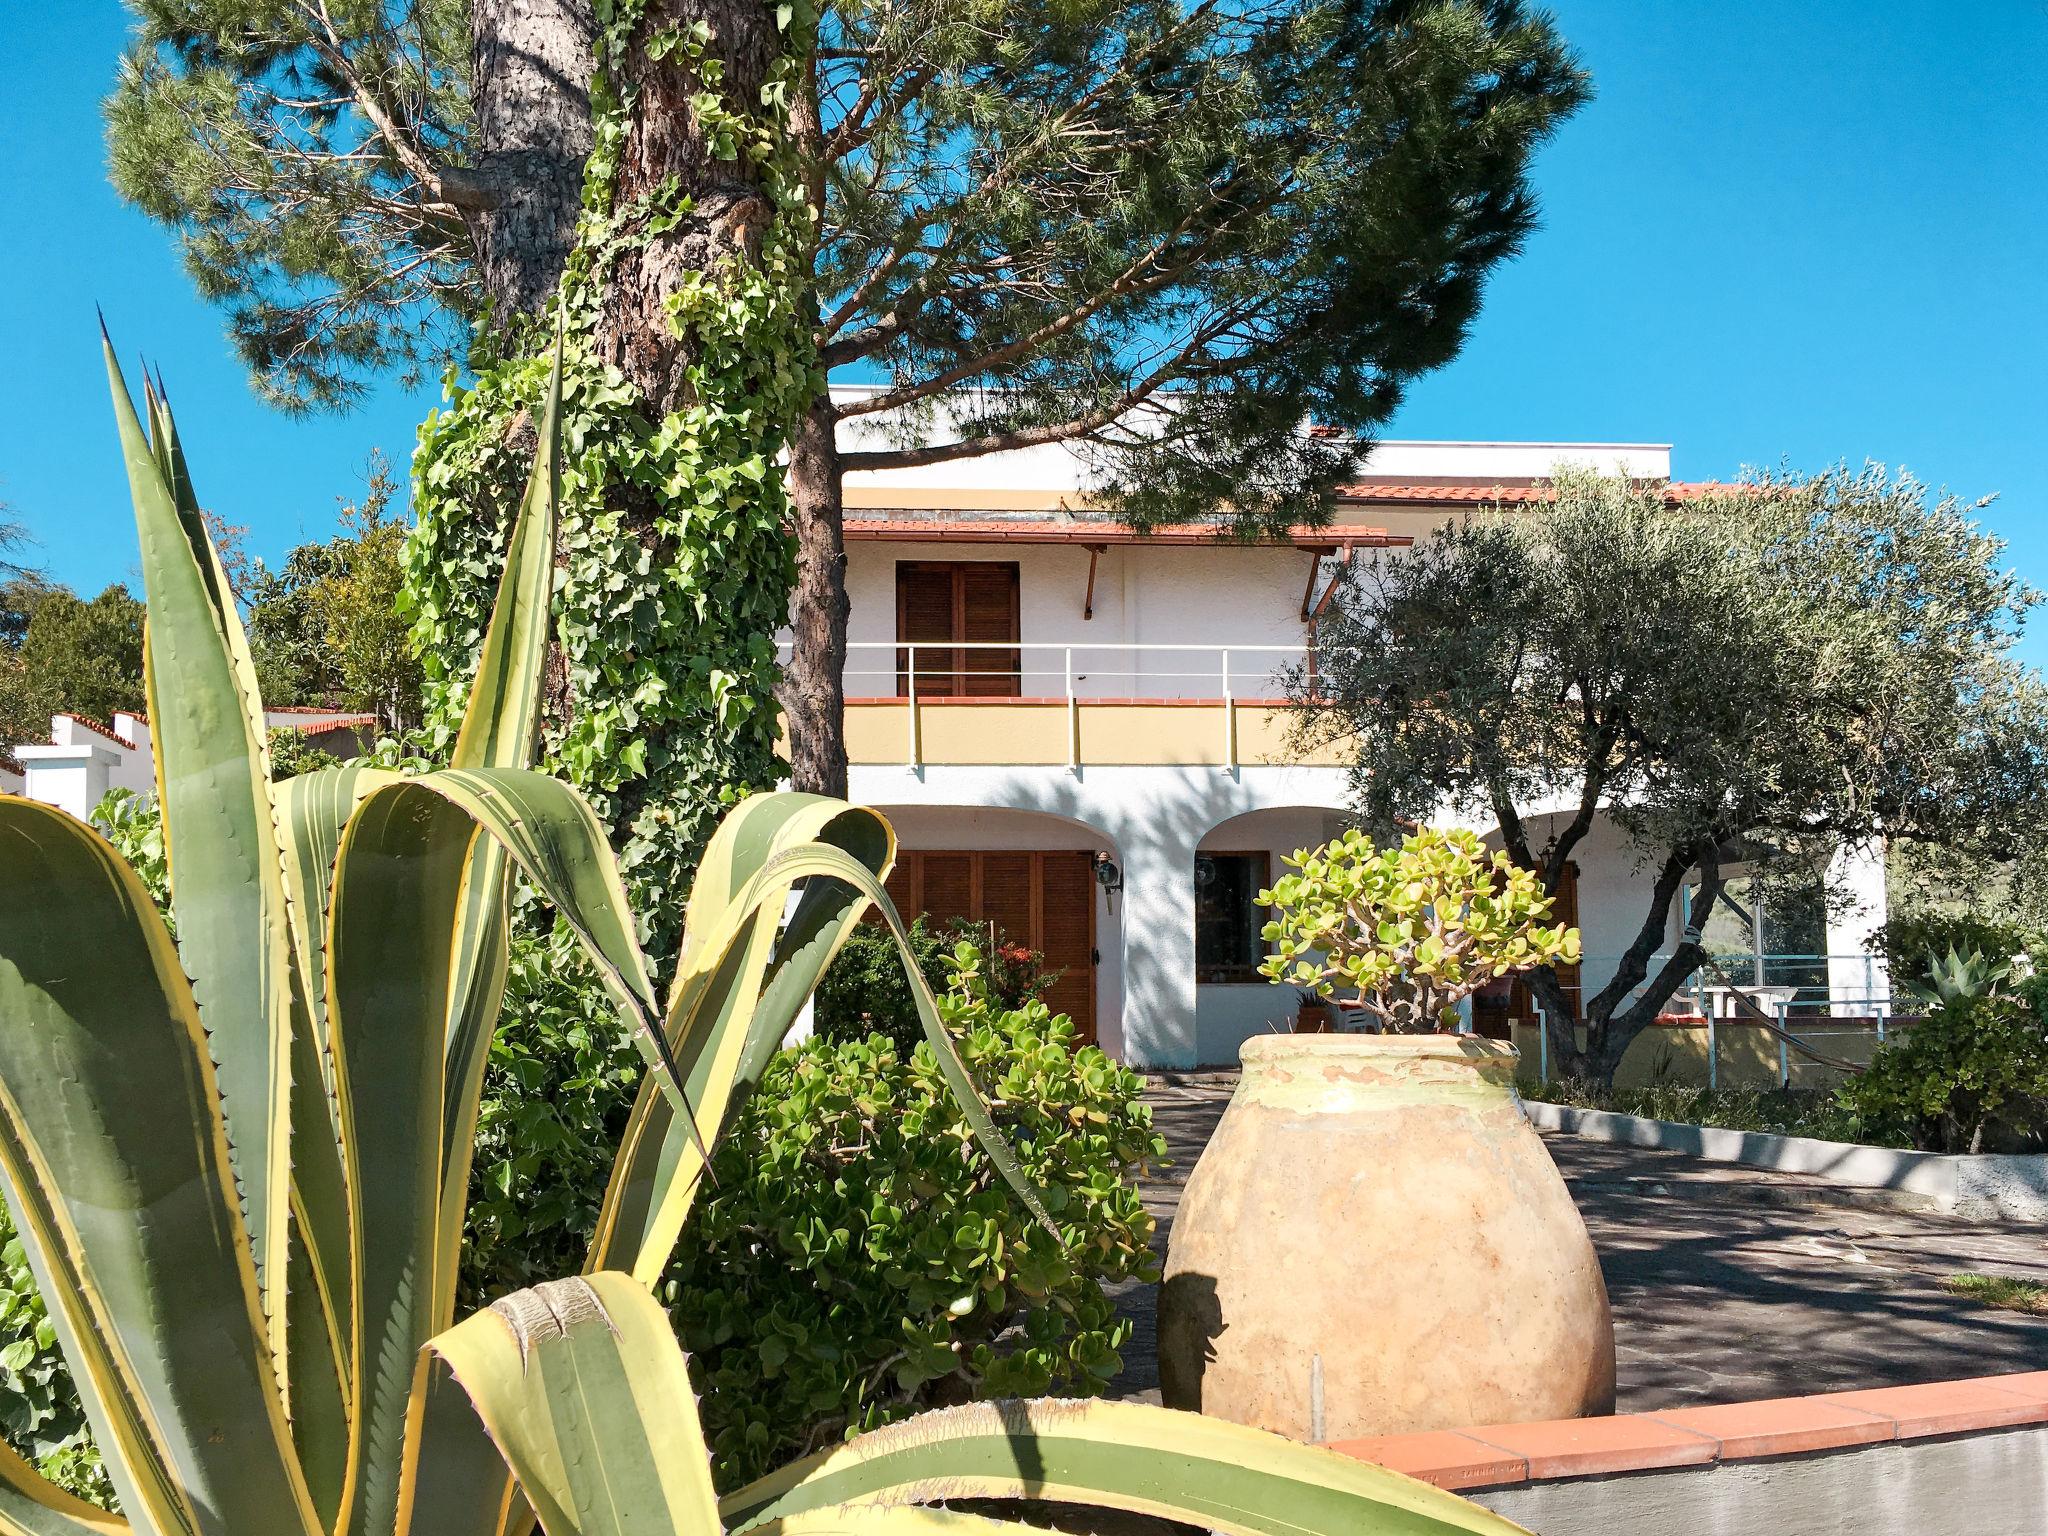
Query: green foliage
[858, 1260]
[1413, 930]
[557, 1090]
[74, 657]
[1911, 944]
[291, 754]
[134, 824]
[1973, 1074]
[864, 991]
[328, 628]
[1774, 1112]
[39, 1411]
[1787, 666]
[241, 127]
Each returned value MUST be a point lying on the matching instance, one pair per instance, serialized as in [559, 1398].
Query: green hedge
[858, 1259]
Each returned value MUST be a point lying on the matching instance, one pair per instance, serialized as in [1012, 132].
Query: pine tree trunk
[664, 143]
[532, 62]
[814, 683]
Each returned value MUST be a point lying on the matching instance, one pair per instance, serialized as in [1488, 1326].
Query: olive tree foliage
[1169, 230]
[1755, 677]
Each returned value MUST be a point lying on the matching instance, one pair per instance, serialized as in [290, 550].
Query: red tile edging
[1499, 1455]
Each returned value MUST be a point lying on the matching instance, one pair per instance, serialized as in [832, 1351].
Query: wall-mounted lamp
[1109, 877]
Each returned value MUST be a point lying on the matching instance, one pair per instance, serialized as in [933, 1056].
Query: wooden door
[1042, 900]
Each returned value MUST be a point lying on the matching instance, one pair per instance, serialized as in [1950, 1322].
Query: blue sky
[1807, 232]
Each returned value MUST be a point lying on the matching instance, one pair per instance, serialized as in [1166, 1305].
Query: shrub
[865, 992]
[1414, 930]
[857, 1258]
[40, 1415]
[1912, 945]
[557, 1093]
[1974, 1071]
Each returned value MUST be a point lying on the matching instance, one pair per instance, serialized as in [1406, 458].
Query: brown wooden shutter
[1006, 894]
[1044, 901]
[1066, 935]
[948, 887]
[988, 615]
[940, 604]
[925, 609]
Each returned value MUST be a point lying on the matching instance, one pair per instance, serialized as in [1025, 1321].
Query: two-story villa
[1083, 735]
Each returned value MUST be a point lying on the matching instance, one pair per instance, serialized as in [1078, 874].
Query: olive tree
[1761, 675]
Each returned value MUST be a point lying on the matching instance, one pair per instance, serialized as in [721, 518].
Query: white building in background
[1084, 736]
[84, 759]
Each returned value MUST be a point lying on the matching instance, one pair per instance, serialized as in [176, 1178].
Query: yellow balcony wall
[996, 732]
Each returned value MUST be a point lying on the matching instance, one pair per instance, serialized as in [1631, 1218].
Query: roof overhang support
[1312, 606]
[1088, 599]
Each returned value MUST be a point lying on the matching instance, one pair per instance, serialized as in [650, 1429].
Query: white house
[84, 759]
[1083, 735]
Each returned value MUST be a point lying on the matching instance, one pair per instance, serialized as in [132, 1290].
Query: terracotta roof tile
[98, 728]
[949, 529]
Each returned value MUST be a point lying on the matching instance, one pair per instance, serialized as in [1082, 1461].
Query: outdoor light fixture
[1109, 877]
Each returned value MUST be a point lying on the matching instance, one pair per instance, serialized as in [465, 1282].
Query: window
[1228, 916]
[944, 606]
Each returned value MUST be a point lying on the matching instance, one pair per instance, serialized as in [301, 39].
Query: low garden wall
[1947, 1456]
[2013, 1188]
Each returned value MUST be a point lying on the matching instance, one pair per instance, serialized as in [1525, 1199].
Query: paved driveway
[1727, 1284]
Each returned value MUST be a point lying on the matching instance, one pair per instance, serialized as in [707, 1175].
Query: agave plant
[238, 1159]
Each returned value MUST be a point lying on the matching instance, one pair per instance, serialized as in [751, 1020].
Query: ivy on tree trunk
[689, 365]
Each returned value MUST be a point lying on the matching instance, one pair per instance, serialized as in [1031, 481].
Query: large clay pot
[1376, 1226]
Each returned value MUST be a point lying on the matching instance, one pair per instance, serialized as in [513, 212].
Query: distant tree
[326, 627]
[1758, 676]
[75, 657]
[1169, 230]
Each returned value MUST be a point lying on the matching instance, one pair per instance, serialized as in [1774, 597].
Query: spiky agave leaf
[220, 837]
[116, 1161]
[586, 1392]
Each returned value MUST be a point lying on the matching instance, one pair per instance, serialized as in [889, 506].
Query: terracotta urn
[1376, 1241]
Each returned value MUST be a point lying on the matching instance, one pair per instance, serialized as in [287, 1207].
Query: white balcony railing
[1076, 670]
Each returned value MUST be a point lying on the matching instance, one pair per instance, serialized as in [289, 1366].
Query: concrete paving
[1727, 1283]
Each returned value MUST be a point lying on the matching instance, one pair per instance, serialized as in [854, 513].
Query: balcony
[1075, 705]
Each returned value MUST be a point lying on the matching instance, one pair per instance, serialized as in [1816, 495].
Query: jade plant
[1412, 930]
[237, 1157]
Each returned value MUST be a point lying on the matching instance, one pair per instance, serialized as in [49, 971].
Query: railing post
[1229, 718]
[1073, 713]
[1784, 1047]
[1713, 1053]
[916, 724]
[1542, 1045]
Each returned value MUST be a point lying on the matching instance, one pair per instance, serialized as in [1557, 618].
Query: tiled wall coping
[1503, 1455]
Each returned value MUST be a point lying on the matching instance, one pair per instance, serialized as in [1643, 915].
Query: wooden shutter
[924, 615]
[1066, 935]
[988, 616]
[941, 604]
[1045, 901]
[1006, 894]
